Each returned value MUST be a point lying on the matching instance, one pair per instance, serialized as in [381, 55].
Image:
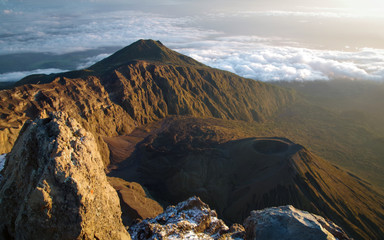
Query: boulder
[289, 223]
[191, 219]
[54, 185]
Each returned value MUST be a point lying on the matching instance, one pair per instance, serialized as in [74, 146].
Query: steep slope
[141, 83]
[188, 156]
[84, 99]
[340, 117]
[55, 187]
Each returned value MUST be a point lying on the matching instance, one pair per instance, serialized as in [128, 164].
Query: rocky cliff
[54, 185]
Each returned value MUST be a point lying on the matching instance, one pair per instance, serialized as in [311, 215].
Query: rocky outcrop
[289, 223]
[84, 99]
[55, 187]
[191, 219]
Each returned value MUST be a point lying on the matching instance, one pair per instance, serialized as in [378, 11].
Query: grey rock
[289, 223]
[191, 219]
[55, 187]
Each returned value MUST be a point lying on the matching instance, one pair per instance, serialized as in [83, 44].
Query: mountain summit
[147, 50]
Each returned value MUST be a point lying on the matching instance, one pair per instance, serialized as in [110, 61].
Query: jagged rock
[54, 185]
[191, 219]
[289, 223]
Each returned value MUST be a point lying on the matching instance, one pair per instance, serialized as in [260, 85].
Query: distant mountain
[146, 50]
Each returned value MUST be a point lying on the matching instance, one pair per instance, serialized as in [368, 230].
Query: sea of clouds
[261, 58]
[272, 63]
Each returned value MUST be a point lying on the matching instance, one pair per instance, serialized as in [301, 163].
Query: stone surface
[55, 187]
[289, 223]
[191, 219]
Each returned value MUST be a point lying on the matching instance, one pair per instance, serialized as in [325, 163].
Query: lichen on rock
[55, 187]
[191, 219]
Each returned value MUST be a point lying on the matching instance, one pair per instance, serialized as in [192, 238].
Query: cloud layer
[261, 57]
[62, 34]
[15, 76]
[270, 63]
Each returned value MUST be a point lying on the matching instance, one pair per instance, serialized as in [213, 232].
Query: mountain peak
[145, 50]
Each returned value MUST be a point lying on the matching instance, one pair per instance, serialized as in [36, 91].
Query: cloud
[92, 60]
[257, 57]
[75, 32]
[271, 63]
[15, 76]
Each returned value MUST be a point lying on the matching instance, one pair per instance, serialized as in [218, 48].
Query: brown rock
[135, 204]
[191, 219]
[289, 223]
[54, 185]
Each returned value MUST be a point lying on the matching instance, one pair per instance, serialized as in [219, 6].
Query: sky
[264, 40]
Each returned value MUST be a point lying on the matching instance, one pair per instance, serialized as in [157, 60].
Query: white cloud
[68, 33]
[249, 56]
[92, 60]
[267, 63]
[15, 76]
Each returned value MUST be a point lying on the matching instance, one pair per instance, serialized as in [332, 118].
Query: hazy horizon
[263, 40]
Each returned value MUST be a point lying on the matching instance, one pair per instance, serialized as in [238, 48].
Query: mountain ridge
[145, 50]
[145, 83]
[138, 92]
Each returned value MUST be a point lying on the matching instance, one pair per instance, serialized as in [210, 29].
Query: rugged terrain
[143, 82]
[54, 186]
[211, 159]
[168, 127]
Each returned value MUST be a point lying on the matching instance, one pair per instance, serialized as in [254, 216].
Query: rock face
[54, 185]
[289, 223]
[191, 219]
